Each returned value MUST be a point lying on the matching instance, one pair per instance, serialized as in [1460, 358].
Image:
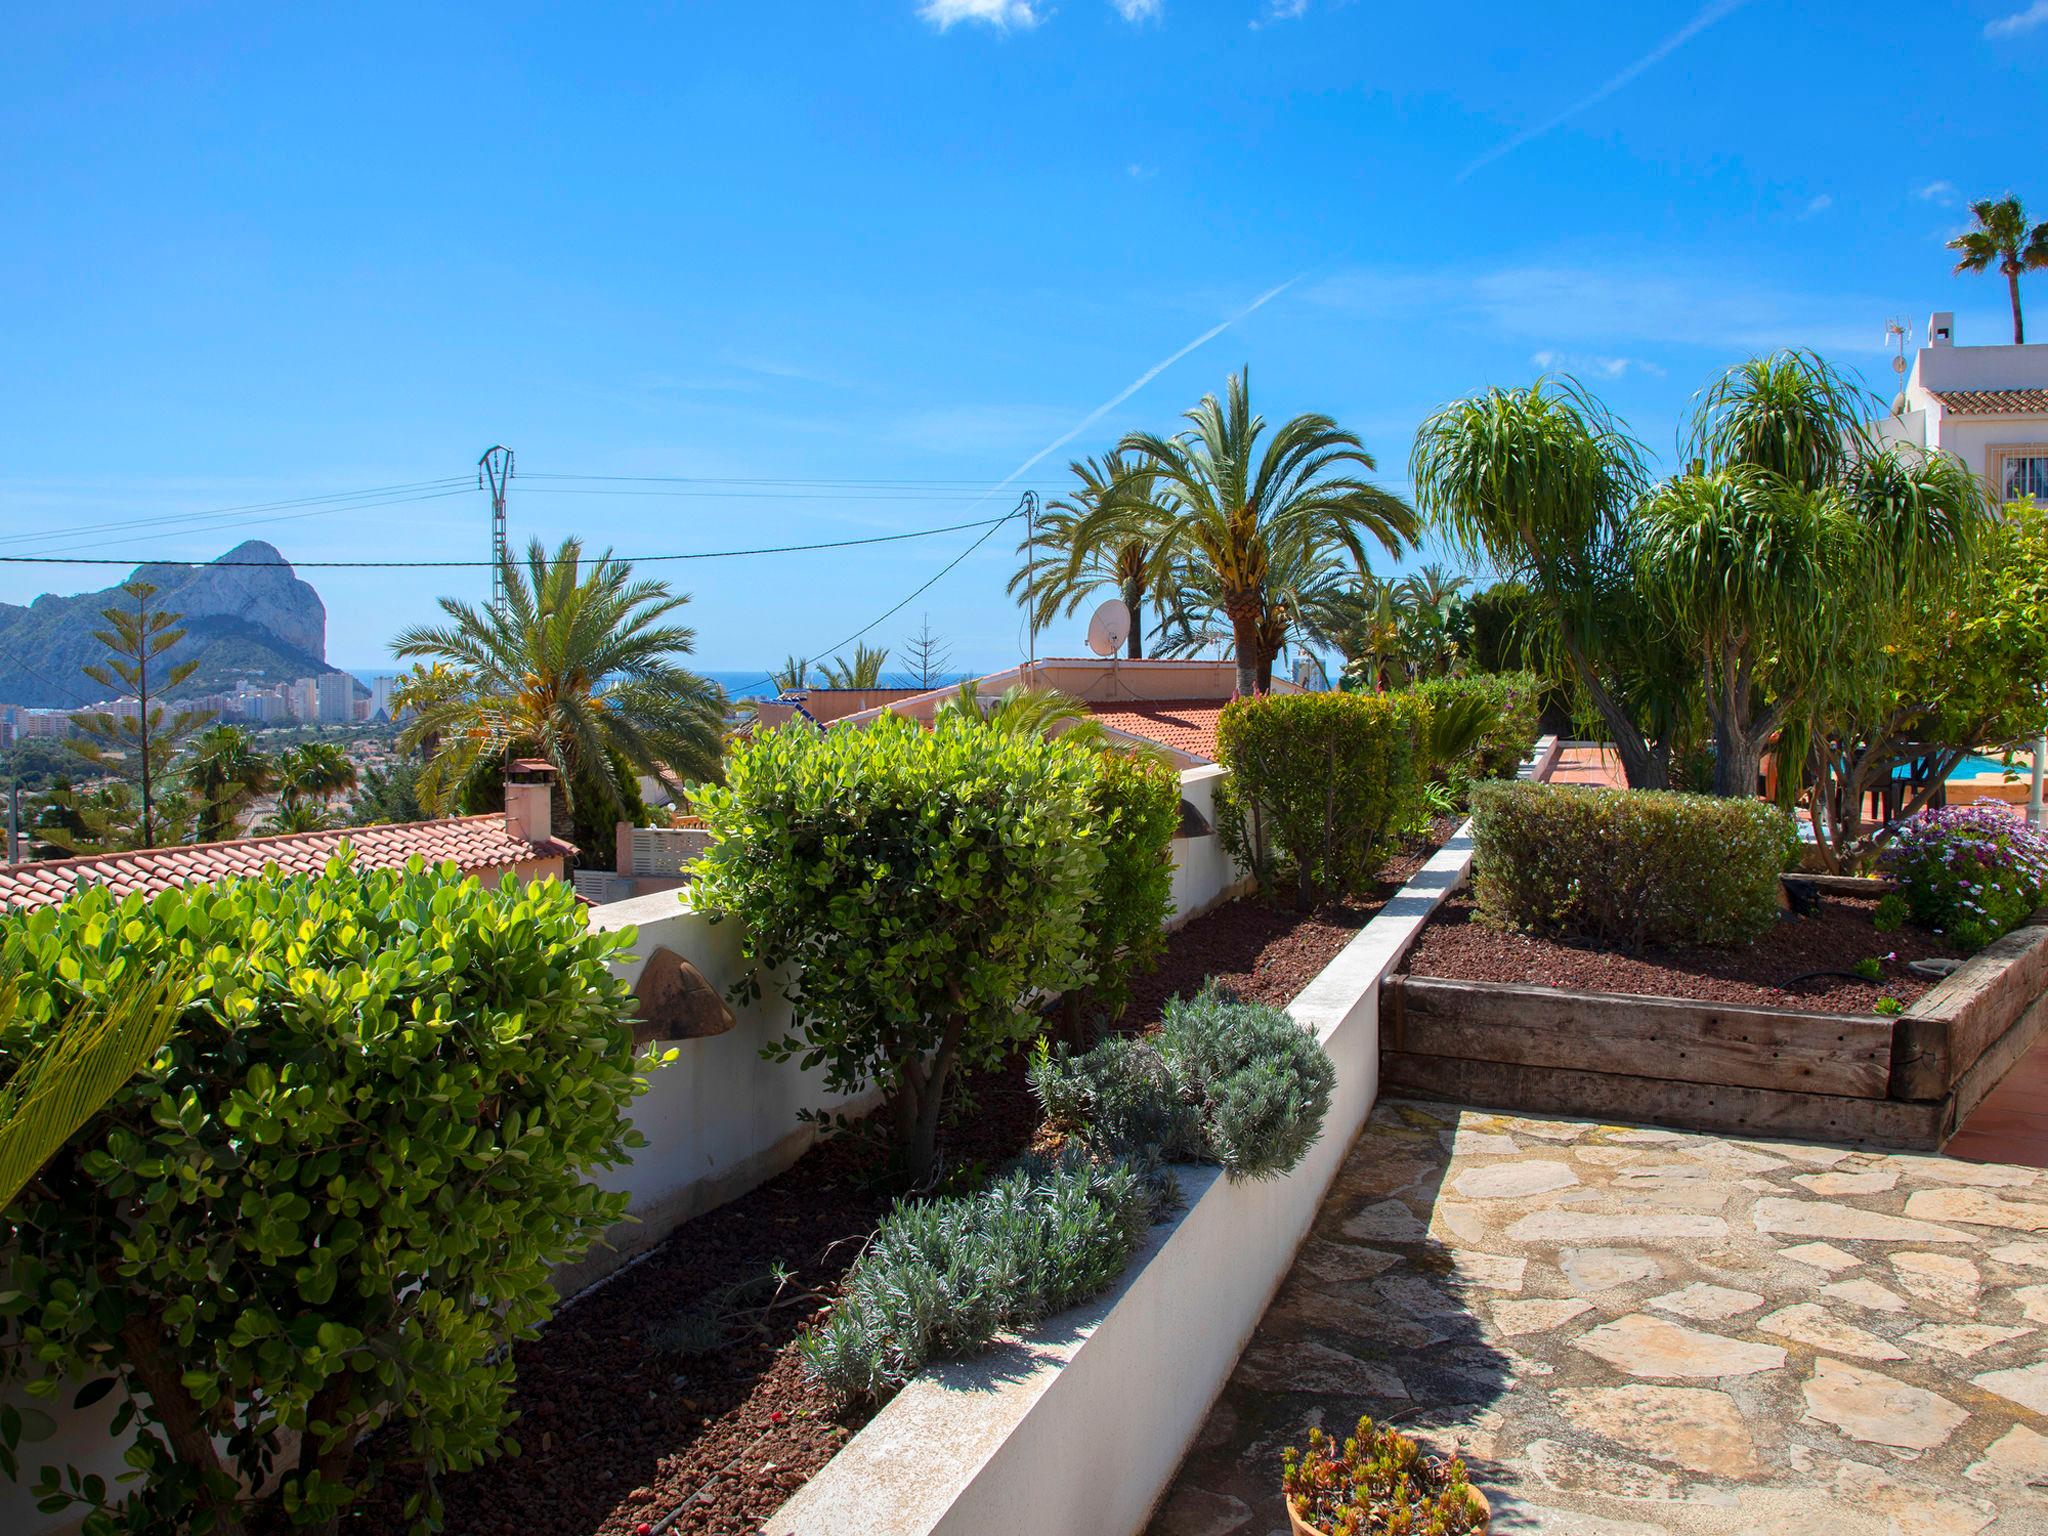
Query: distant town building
[383, 693]
[303, 702]
[337, 698]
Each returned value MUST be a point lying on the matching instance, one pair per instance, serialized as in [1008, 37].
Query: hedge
[1136, 805]
[908, 889]
[1316, 781]
[1627, 867]
[335, 1198]
[1516, 702]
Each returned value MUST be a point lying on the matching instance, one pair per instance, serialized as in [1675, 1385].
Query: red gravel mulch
[616, 1432]
[1765, 974]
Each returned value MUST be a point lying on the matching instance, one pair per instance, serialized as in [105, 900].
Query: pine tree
[925, 657]
[140, 746]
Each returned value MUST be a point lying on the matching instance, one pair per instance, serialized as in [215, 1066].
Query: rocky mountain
[245, 616]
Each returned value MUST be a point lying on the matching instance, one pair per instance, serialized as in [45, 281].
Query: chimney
[529, 791]
[1941, 328]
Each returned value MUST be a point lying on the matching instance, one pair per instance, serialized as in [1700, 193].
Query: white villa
[1986, 405]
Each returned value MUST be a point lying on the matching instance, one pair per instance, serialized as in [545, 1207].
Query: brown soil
[1773, 972]
[617, 1434]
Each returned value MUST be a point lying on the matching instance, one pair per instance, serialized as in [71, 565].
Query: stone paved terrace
[1631, 1332]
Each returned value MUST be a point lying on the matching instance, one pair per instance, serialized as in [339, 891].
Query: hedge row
[1627, 867]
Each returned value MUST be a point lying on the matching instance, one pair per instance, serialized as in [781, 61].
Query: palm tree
[863, 671]
[2002, 236]
[1025, 711]
[1230, 514]
[319, 770]
[224, 773]
[1540, 483]
[1098, 536]
[577, 667]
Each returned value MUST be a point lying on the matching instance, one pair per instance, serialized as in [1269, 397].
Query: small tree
[334, 1200]
[139, 746]
[908, 889]
[861, 670]
[925, 657]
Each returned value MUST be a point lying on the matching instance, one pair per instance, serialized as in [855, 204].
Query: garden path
[1635, 1332]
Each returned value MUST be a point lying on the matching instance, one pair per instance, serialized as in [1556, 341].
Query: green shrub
[1891, 914]
[907, 888]
[943, 1277]
[1136, 807]
[335, 1198]
[1513, 701]
[1316, 781]
[1888, 1006]
[1626, 867]
[1222, 1081]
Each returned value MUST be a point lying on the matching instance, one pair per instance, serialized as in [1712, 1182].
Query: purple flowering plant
[1971, 872]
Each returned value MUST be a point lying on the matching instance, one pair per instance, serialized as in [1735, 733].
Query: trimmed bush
[1136, 806]
[943, 1277]
[1222, 1081]
[907, 888]
[1969, 872]
[1627, 867]
[1316, 781]
[1514, 701]
[335, 1198]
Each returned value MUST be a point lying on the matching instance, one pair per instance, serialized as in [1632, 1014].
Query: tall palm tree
[223, 774]
[863, 670]
[578, 666]
[2002, 236]
[1231, 512]
[1096, 536]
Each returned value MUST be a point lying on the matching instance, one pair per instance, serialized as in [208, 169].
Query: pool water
[1977, 764]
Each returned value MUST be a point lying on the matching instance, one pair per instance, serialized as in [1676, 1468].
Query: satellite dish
[1109, 628]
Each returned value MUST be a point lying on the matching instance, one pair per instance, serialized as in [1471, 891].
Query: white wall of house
[1982, 441]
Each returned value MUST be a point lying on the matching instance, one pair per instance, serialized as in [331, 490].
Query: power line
[251, 507]
[242, 522]
[988, 524]
[764, 480]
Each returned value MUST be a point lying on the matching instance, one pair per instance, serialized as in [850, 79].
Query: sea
[756, 684]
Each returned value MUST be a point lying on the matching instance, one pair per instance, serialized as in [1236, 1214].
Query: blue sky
[263, 252]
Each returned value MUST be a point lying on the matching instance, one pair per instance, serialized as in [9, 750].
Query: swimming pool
[1976, 765]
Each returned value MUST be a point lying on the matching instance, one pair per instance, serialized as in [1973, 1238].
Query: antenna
[493, 473]
[1030, 509]
[1108, 627]
[1897, 333]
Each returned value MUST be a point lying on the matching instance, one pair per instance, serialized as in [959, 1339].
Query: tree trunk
[2019, 328]
[921, 1116]
[1643, 765]
[1243, 609]
[1134, 599]
[157, 1371]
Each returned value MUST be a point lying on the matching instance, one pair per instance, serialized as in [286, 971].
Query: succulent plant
[1379, 1483]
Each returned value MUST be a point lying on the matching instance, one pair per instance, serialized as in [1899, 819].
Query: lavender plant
[1969, 872]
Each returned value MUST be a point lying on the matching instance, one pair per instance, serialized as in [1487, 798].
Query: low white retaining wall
[1203, 874]
[1079, 1426]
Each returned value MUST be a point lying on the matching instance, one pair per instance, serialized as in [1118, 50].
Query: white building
[381, 690]
[1986, 405]
[337, 701]
[303, 701]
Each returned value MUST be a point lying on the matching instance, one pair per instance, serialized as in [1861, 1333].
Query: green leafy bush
[1136, 807]
[907, 888]
[1222, 1081]
[1316, 781]
[1627, 867]
[1891, 913]
[1513, 701]
[1971, 872]
[335, 1197]
[943, 1277]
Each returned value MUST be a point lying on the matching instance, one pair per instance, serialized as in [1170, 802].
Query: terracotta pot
[1301, 1527]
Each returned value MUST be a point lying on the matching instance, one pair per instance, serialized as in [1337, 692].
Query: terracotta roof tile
[1993, 402]
[1186, 725]
[478, 844]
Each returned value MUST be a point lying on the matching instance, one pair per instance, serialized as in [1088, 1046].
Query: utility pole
[1031, 607]
[493, 473]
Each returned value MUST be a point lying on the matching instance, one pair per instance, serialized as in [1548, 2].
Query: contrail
[1677, 40]
[1145, 378]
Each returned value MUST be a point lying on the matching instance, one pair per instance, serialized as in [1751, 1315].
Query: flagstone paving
[1632, 1332]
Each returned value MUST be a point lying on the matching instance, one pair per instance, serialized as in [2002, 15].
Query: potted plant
[1379, 1483]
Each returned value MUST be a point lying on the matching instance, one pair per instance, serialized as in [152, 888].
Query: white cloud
[1942, 192]
[1714, 12]
[1589, 363]
[2035, 15]
[1138, 172]
[1814, 205]
[1001, 14]
[1282, 10]
[1139, 10]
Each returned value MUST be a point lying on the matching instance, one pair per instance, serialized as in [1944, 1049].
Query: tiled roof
[1993, 402]
[1186, 725]
[481, 845]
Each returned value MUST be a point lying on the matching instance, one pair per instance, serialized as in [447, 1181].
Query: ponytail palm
[578, 666]
[1540, 483]
[1231, 513]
